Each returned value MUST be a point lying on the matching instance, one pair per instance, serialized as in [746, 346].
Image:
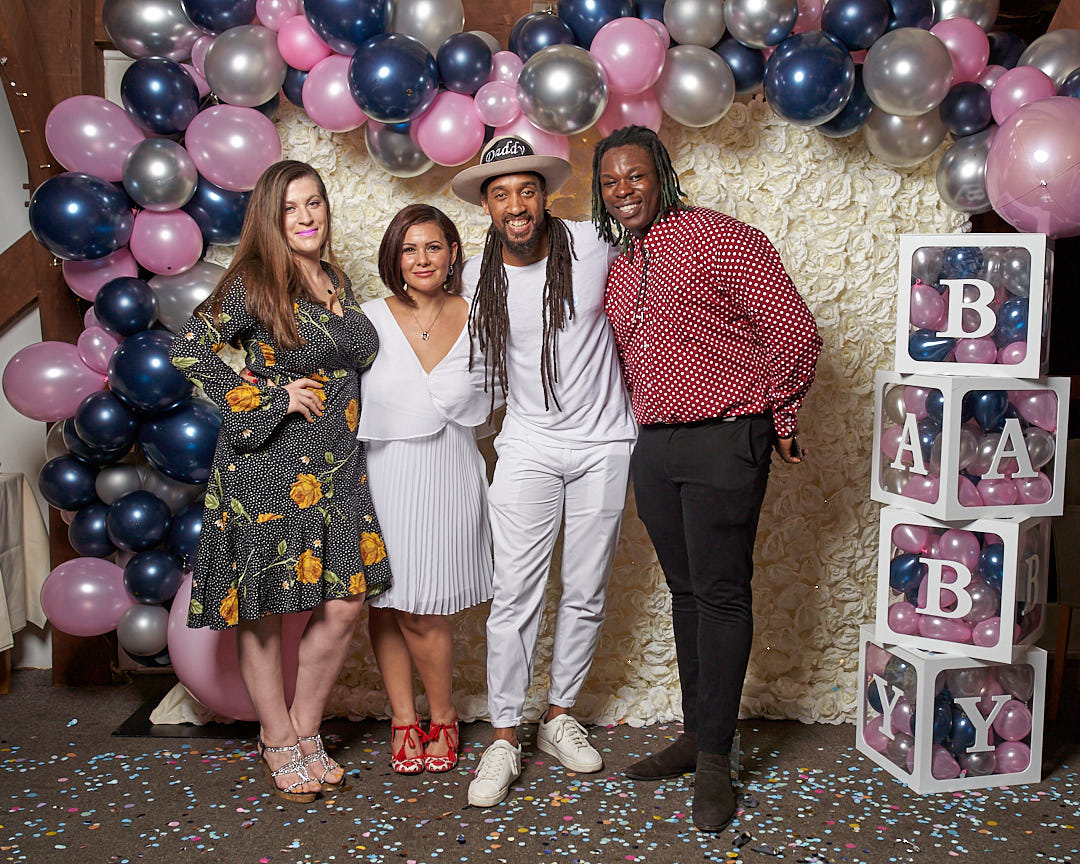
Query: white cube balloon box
[943, 723]
[973, 304]
[974, 588]
[955, 447]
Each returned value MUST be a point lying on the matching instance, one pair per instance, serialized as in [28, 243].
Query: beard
[521, 248]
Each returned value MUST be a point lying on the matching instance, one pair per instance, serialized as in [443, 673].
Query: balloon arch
[150, 184]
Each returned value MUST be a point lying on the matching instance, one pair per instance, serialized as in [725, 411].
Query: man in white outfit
[538, 326]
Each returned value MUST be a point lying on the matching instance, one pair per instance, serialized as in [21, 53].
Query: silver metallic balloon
[150, 28]
[159, 174]
[1018, 679]
[969, 447]
[927, 263]
[985, 601]
[244, 67]
[1040, 446]
[1056, 53]
[395, 150]
[907, 72]
[696, 87]
[967, 682]
[898, 748]
[893, 404]
[562, 89]
[115, 481]
[982, 12]
[984, 454]
[961, 174]
[178, 296]
[894, 480]
[1012, 269]
[430, 21]
[978, 764]
[903, 141]
[174, 493]
[759, 23]
[695, 22]
[489, 40]
[143, 629]
[54, 441]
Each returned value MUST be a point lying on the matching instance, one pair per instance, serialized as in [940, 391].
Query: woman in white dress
[426, 476]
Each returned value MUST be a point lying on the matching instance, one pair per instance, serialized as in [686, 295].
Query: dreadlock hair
[671, 193]
[489, 322]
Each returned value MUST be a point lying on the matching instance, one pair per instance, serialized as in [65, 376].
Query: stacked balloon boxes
[969, 454]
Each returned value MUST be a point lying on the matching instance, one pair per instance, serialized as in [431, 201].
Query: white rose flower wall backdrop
[844, 152]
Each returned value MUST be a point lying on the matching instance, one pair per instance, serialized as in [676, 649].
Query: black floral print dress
[288, 520]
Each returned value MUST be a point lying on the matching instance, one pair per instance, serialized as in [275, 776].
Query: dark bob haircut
[394, 240]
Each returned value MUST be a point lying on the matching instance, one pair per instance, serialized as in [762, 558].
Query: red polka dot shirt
[709, 325]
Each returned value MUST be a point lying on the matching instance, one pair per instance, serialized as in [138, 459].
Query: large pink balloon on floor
[85, 596]
[91, 134]
[327, 99]
[631, 53]
[232, 146]
[167, 243]
[85, 278]
[47, 381]
[641, 109]
[543, 143]
[1033, 167]
[206, 661]
[450, 132]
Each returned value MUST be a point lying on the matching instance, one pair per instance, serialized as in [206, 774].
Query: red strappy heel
[401, 763]
[438, 764]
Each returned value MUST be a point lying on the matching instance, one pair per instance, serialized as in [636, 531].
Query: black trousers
[699, 488]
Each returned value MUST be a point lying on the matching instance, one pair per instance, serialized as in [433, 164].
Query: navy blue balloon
[747, 64]
[809, 78]
[991, 564]
[965, 109]
[906, 571]
[1005, 48]
[927, 346]
[540, 33]
[84, 452]
[963, 731]
[515, 31]
[294, 86]
[853, 115]
[911, 13]
[152, 577]
[1010, 414]
[218, 212]
[943, 719]
[873, 695]
[216, 16]
[901, 675]
[138, 521]
[345, 25]
[586, 17]
[269, 108]
[184, 534]
[988, 407]
[142, 376]
[79, 217]
[961, 261]
[103, 421]
[856, 23]
[929, 430]
[180, 444]
[87, 532]
[159, 95]
[1012, 322]
[393, 78]
[67, 483]
[1071, 85]
[126, 305]
[650, 9]
[464, 62]
[153, 661]
[935, 405]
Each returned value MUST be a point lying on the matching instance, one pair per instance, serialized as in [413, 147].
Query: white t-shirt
[594, 406]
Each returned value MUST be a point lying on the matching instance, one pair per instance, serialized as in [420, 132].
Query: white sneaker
[566, 740]
[499, 767]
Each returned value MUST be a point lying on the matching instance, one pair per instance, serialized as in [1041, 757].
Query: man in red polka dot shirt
[718, 351]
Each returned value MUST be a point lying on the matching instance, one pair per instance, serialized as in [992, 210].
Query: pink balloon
[990, 76]
[166, 243]
[660, 29]
[967, 493]
[968, 46]
[910, 538]
[923, 488]
[1016, 88]
[933, 548]
[206, 662]
[874, 737]
[1034, 490]
[948, 600]
[944, 629]
[1013, 353]
[942, 764]
[298, 44]
[1013, 721]
[986, 699]
[543, 143]
[915, 401]
[876, 659]
[91, 134]
[327, 99]
[90, 320]
[47, 381]
[890, 443]
[96, 346]
[981, 350]
[903, 618]
[901, 716]
[997, 492]
[199, 79]
[273, 13]
[85, 597]
[496, 103]
[631, 53]
[809, 16]
[1011, 757]
[1033, 167]
[85, 278]
[641, 109]
[926, 307]
[959, 545]
[505, 67]
[198, 53]
[232, 146]
[987, 633]
[1038, 407]
[450, 132]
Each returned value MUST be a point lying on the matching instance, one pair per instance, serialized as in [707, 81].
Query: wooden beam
[16, 272]
[1067, 16]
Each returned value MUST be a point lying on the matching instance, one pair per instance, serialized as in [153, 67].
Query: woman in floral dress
[288, 525]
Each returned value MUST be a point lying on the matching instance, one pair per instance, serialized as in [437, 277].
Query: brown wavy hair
[394, 239]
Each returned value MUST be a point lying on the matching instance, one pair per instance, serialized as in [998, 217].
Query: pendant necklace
[425, 332]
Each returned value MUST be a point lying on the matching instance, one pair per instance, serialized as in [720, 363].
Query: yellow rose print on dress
[267, 353]
[372, 548]
[306, 491]
[357, 584]
[246, 397]
[268, 517]
[228, 608]
[352, 414]
[309, 568]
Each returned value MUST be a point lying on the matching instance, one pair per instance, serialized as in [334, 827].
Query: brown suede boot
[678, 758]
[714, 796]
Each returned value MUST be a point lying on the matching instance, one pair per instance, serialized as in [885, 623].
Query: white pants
[534, 484]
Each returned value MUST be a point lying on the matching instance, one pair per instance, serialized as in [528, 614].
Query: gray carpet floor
[72, 790]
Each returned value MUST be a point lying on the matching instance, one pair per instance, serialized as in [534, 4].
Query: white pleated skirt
[431, 497]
